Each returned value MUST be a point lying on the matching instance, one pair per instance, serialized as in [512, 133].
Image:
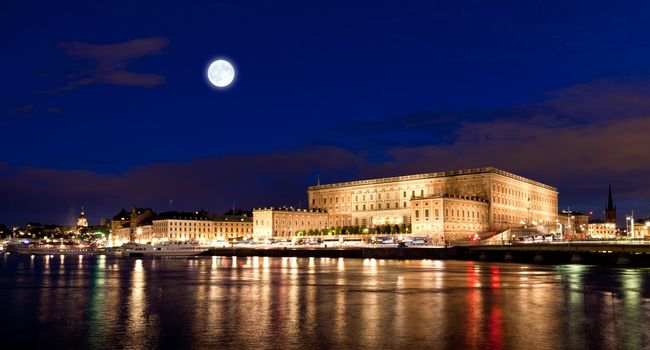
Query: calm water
[282, 303]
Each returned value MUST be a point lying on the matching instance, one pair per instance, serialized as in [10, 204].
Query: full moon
[221, 73]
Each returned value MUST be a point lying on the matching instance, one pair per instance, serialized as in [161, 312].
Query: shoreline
[496, 254]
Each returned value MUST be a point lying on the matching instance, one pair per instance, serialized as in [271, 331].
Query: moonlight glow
[221, 73]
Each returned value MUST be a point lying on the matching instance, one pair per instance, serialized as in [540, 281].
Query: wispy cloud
[110, 62]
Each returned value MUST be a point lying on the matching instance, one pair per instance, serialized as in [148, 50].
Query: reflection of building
[573, 224]
[511, 200]
[285, 222]
[200, 226]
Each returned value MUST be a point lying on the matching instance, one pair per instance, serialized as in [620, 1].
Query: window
[417, 214]
[426, 213]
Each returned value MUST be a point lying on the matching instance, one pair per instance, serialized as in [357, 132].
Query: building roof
[292, 209]
[122, 215]
[431, 176]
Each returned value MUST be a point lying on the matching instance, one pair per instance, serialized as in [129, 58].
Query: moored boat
[188, 248]
[49, 249]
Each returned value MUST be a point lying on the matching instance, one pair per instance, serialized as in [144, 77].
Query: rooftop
[431, 176]
[292, 209]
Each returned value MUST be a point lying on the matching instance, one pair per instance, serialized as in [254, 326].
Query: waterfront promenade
[584, 252]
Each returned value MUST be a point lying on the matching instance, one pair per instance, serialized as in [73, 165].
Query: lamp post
[631, 229]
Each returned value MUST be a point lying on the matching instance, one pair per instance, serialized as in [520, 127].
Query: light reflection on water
[260, 302]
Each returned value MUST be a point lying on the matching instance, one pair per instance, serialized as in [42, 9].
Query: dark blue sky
[105, 103]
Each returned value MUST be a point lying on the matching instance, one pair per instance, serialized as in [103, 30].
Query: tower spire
[610, 201]
[610, 211]
[318, 179]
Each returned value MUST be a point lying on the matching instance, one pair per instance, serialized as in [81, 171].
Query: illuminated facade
[286, 222]
[447, 217]
[602, 230]
[573, 224]
[512, 201]
[201, 226]
[82, 221]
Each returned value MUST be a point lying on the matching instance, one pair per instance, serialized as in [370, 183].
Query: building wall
[448, 218]
[602, 230]
[202, 229]
[512, 198]
[285, 222]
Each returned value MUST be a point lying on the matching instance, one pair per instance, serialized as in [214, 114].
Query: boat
[51, 249]
[188, 248]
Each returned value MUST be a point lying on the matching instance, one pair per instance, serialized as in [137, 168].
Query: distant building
[601, 229]
[573, 224]
[610, 211]
[82, 221]
[201, 226]
[284, 223]
[131, 227]
[501, 199]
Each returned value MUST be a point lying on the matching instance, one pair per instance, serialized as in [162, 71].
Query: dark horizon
[106, 105]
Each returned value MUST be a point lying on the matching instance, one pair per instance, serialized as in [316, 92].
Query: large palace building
[446, 205]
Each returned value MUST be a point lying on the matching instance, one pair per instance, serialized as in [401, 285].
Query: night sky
[105, 104]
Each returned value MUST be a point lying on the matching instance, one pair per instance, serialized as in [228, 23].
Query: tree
[402, 228]
[395, 228]
[4, 231]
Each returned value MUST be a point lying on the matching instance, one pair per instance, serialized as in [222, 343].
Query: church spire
[610, 211]
[610, 201]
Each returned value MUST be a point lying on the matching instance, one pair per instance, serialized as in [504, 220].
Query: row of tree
[357, 230]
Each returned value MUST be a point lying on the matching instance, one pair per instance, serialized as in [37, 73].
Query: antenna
[317, 178]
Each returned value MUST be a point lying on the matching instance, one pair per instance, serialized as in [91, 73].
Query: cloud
[276, 178]
[603, 99]
[110, 62]
[553, 142]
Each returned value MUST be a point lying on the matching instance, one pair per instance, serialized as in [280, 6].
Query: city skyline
[121, 115]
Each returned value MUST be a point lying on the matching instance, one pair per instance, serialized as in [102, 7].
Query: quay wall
[538, 255]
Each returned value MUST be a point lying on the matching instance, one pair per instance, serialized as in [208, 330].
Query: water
[317, 303]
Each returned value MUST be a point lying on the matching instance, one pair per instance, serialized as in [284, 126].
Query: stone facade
[201, 227]
[285, 222]
[601, 230]
[512, 200]
[448, 218]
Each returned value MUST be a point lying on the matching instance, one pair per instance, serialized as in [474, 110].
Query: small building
[600, 229]
[573, 224]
